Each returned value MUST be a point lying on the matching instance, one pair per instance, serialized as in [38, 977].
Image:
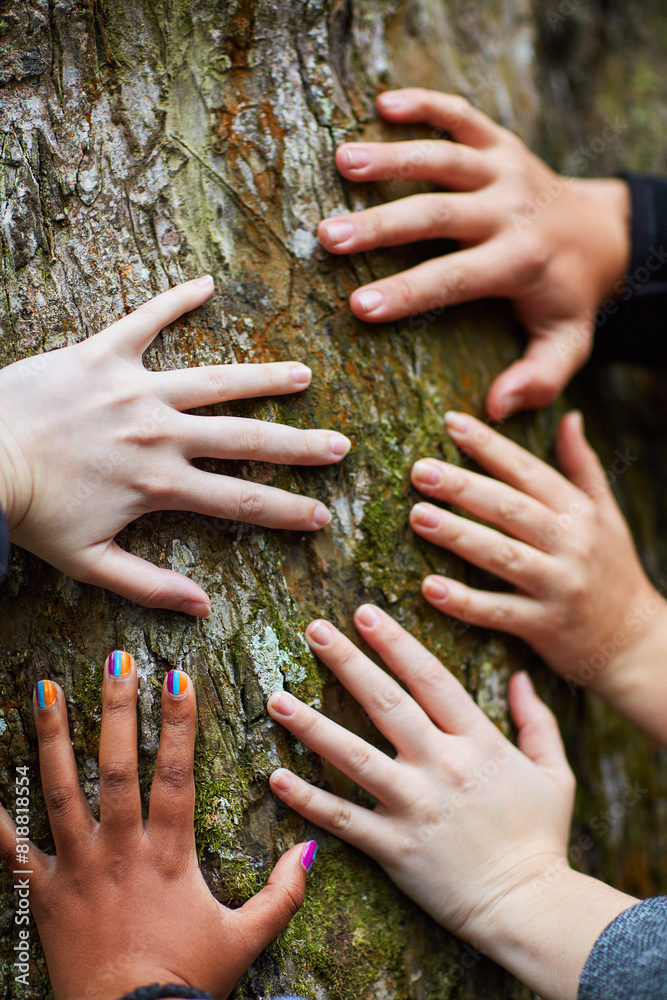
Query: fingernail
[509, 404]
[120, 663]
[308, 855]
[370, 300]
[199, 609]
[425, 515]
[339, 444]
[427, 473]
[357, 158]
[282, 703]
[525, 680]
[206, 280]
[282, 780]
[46, 694]
[338, 232]
[301, 374]
[435, 588]
[177, 683]
[368, 615]
[390, 100]
[457, 423]
[320, 632]
[321, 515]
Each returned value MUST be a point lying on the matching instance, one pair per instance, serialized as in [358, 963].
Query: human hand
[583, 601]
[470, 827]
[123, 903]
[90, 440]
[555, 246]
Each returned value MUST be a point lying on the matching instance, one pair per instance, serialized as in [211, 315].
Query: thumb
[577, 459]
[539, 735]
[117, 570]
[536, 379]
[269, 912]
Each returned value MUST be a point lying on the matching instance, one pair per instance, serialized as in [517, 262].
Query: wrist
[544, 929]
[610, 197]
[634, 682]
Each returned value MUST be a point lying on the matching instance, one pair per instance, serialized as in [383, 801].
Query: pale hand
[90, 440]
[555, 246]
[470, 827]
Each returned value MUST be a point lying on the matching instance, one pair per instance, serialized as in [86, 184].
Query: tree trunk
[148, 141]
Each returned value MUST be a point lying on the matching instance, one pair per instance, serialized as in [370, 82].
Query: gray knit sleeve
[629, 960]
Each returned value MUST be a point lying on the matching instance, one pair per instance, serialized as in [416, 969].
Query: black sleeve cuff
[4, 546]
[632, 328]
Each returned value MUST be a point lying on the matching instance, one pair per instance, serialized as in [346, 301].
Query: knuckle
[151, 597]
[252, 438]
[429, 673]
[60, 801]
[453, 527]
[219, 379]
[375, 223]
[387, 699]
[174, 777]
[512, 508]
[292, 901]
[359, 760]
[340, 817]
[250, 505]
[500, 615]
[403, 291]
[455, 480]
[117, 775]
[507, 556]
[528, 257]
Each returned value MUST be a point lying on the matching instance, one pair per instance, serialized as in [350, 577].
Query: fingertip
[205, 282]
[367, 616]
[177, 684]
[435, 589]
[281, 780]
[119, 664]
[320, 633]
[45, 695]
[196, 609]
[368, 304]
[390, 102]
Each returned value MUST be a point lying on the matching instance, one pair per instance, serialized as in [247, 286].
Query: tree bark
[147, 141]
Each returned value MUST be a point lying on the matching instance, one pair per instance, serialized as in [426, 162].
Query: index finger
[449, 112]
[511, 463]
[446, 701]
[394, 712]
[133, 333]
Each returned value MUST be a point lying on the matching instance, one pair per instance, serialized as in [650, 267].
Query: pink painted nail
[308, 854]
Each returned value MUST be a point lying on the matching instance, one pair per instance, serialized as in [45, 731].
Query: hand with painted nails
[555, 246]
[123, 903]
[470, 827]
[582, 599]
[90, 440]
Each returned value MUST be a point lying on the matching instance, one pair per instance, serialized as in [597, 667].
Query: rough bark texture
[146, 141]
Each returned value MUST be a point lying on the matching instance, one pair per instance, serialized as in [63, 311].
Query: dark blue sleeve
[633, 326]
[629, 960]
[4, 546]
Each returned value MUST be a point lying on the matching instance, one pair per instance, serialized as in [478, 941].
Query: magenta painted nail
[308, 855]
